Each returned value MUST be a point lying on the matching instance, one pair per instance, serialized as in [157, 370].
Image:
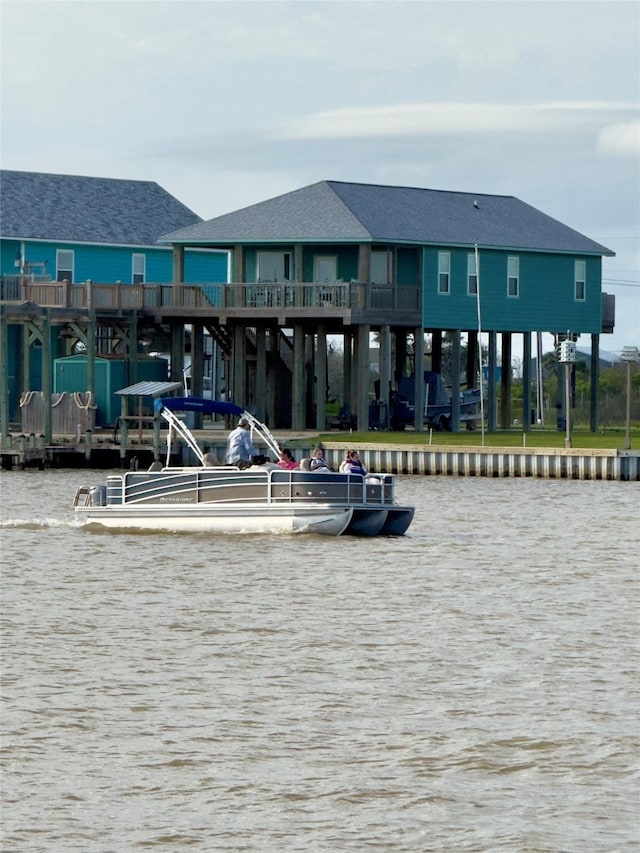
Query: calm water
[472, 686]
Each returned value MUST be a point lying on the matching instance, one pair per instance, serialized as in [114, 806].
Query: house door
[274, 266]
[325, 268]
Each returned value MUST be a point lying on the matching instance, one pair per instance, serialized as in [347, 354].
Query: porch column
[298, 391]
[297, 264]
[364, 263]
[261, 373]
[362, 377]
[178, 264]
[237, 265]
[505, 382]
[455, 380]
[419, 389]
[364, 276]
[321, 378]
[526, 381]
[491, 382]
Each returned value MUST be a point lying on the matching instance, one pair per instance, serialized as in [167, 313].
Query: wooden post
[595, 376]
[298, 391]
[491, 383]
[4, 378]
[47, 371]
[526, 381]
[385, 369]
[419, 389]
[362, 376]
[505, 383]
[321, 378]
[261, 373]
[124, 428]
[455, 380]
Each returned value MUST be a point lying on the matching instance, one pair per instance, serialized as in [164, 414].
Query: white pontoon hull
[221, 519]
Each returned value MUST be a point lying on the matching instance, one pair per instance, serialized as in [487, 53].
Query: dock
[101, 451]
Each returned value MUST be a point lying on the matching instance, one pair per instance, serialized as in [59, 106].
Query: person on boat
[240, 448]
[286, 459]
[352, 464]
[318, 462]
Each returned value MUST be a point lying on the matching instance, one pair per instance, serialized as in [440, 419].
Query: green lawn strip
[611, 438]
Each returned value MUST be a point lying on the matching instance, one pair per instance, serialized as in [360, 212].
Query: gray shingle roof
[75, 209]
[334, 211]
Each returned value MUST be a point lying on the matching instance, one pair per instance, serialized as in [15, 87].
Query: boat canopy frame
[167, 407]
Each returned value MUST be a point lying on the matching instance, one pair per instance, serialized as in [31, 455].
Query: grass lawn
[610, 438]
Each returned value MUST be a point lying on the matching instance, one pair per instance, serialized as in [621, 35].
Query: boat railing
[226, 484]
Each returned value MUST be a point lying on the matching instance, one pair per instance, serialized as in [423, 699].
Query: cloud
[621, 139]
[429, 119]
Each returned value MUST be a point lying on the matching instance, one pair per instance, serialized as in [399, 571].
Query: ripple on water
[471, 686]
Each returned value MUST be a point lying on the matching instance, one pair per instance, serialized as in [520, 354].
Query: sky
[226, 104]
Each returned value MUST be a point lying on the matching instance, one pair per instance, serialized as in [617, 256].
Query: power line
[620, 283]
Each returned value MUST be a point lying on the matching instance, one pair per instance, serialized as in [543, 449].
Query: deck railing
[205, 296]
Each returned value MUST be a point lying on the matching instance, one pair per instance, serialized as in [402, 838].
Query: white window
[472, 275]
[274, 266]
[513, 276]
[444, 270]
[138, 269]
[580, 276]
[380, 267]
[64, 265]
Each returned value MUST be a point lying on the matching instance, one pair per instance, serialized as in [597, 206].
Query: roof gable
[76, 209]
[335, 211]
[311, 213]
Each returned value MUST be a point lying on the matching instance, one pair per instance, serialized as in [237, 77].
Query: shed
[111, 374]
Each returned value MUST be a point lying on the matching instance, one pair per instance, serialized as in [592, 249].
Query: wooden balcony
[251, 302]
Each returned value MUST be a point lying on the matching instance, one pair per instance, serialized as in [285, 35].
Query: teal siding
[545, 303]
[111, 264]
[206, 266]
[408, 266]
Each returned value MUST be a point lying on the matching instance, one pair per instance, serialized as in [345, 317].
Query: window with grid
[580, 277]
[513, 276]
[138, 269]
[444, 272]
[64, 265]
[472, 275]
